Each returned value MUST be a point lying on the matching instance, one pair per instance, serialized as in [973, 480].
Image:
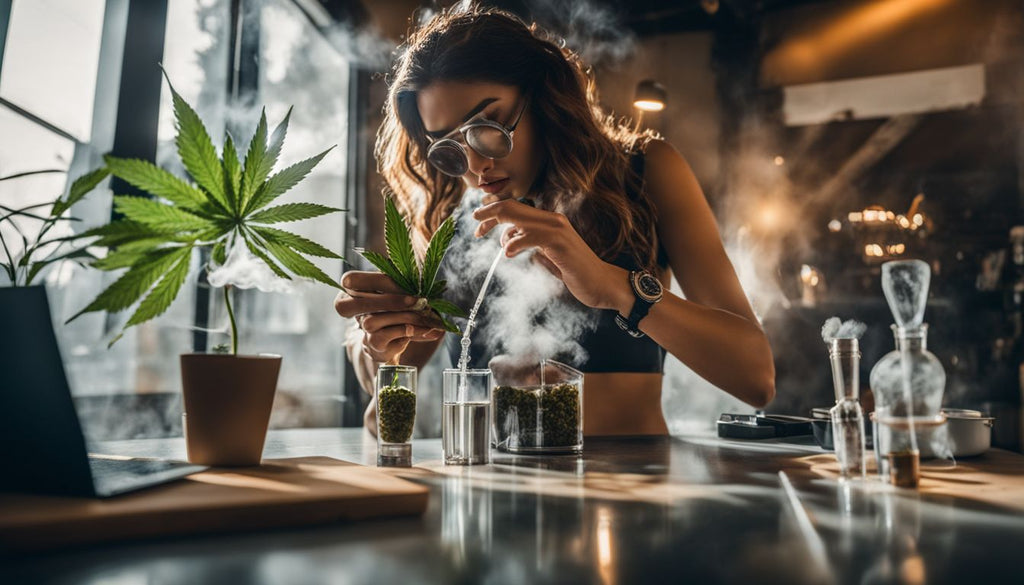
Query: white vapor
[243, 270]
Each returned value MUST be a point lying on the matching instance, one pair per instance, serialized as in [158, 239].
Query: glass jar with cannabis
[538, 410]
[396, 413]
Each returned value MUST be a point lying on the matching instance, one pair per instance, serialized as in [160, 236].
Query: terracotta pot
[227, 406]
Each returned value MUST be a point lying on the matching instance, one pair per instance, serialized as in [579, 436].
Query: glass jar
[908, 404]
[396, 413]
[539, 410]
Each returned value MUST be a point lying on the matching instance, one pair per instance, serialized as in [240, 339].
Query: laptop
[45, 451]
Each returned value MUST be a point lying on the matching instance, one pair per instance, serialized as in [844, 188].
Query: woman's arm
[713, 330]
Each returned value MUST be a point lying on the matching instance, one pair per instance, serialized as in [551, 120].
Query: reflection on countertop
[630, 510]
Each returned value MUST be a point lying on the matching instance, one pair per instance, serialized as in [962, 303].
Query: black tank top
[605, 346]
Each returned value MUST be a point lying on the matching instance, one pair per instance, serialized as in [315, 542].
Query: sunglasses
[486, 137]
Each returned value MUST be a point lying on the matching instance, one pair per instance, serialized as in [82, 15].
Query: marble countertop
[630, 510]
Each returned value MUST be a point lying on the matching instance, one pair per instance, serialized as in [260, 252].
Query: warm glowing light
[770, 216]
[890, 215]
[779, 161]
[895, 249]
[605, 559]
[855, 216]
[835, 225]
[903, 221]
[918, 219]
[809, 275]
[873, 250]
[649, 106]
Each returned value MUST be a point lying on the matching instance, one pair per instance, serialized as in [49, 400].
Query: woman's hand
[560, 249]
[390, 319]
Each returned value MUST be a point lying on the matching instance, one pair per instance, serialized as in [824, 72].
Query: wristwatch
[648, 290]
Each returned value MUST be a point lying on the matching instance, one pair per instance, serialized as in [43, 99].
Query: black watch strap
[641, 306]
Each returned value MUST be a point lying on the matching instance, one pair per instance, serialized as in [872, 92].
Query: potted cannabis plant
[226, 210]
[26, 252]
[395, 385]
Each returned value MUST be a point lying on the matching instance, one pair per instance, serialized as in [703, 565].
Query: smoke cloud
[529, 314]
[243, 270]
[834, 328]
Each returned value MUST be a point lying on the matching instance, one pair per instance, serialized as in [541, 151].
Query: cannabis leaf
[225, 206]
[37, 252]
[401, 265]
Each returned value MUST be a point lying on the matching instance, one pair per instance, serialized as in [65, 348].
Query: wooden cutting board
[278, 493]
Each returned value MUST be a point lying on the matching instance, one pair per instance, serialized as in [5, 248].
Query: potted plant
[395, 386]
[22, 260]
[227, 397]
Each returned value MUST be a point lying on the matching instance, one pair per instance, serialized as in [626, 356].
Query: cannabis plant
[37, 252]
[401, 265]
[225, 207]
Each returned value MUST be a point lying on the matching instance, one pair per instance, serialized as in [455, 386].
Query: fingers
[360, 303]
[516, 241]
[376, 321]
[511, 211]
[544, 261]
[373, 282]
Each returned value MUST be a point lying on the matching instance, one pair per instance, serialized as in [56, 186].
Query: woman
[612, 213]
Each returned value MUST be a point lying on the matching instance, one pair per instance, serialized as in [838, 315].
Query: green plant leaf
[152, 179]
[282, 181]
[79, 189]
[277, 141]
[385, 266]
[35, 267]
[443, 306]
[132, 284]
[256, 251]
[399, 244]
[196, 149]
[436, 250]
[163, 294]
[158, 215]
[219, 253]
[296, 263]
[126, 256]
[437, 288]
[255, 169]
[449, 326]
[295, 242]
[291, 212]
[232, 173]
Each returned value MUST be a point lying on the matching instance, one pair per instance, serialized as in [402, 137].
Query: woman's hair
[585, 158]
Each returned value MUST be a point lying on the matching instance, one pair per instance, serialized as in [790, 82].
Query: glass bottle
[908, 398]
[396, 414]
[847, 415]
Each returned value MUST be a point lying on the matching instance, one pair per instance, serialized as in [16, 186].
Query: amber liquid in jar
[904, 468]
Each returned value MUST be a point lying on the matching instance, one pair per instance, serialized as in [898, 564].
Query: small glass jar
[396, 413]
[539, 410]
[466, 416]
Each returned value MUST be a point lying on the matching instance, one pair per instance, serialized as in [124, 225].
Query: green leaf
[132, 284]
[159, 215]
[156, 181]
[79, 189]
[436, 289]
[232, 173]
[126, 256]
[399, 244]
[446, 307]
[219, 253]
[163, 294]
[35, 267]
[449, 326]
[291, 212]
[196, 149]
[256, 251]
[282, 181]
[295, 242]
[385, 266]
[436, 250]
[277, 141]
[296, 263]
[256, 169]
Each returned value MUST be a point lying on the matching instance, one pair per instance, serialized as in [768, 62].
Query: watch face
[648, 286]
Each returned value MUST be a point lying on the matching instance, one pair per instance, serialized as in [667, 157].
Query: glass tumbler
[396, 413]
[466, 416]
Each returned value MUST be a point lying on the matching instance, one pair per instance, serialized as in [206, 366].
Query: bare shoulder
[669, 178]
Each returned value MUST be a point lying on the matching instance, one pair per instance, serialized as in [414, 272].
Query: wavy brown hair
[585, 167]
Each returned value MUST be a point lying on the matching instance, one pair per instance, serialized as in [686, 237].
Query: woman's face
[445, 106]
